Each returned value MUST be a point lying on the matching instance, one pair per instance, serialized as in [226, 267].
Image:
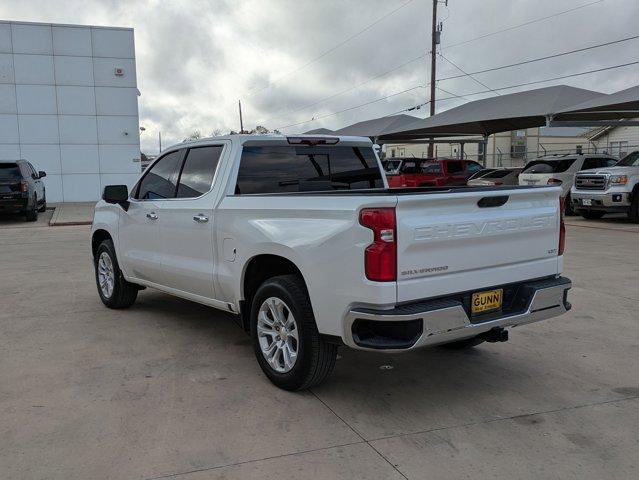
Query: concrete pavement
[170, 389]
[72, 213]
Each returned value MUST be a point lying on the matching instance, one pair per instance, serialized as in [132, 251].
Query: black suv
[21, 189]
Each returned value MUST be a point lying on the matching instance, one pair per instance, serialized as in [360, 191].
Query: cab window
[198, 171]
[160, 181]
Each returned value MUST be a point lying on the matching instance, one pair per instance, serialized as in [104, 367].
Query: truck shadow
[434, 374]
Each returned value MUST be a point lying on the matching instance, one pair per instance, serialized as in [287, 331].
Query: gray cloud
[197, 58]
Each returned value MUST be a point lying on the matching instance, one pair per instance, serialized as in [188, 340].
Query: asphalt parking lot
[170, 389]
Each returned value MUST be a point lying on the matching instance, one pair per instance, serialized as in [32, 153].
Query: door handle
[152, 216]
[200, 218]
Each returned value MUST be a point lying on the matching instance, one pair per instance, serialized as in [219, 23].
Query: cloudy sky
[283, 58]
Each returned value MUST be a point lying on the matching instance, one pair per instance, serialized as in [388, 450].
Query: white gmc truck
[302, 239]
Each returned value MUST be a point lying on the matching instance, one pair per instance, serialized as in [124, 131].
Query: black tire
[633, 213]
[465, 343]
[124, 293]
[43, 208]
[315, 357]
[568, 210]
[592, 214]
[32, 211]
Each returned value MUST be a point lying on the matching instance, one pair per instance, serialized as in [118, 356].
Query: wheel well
[258, 270]
[98, 237]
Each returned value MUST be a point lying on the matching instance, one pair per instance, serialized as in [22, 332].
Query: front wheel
[633, 213]
[568, 210]
[32, 211]
[287, 344]
[114, 290]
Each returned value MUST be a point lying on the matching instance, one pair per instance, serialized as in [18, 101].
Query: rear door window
[549, 166]
[160, 181]
[432, 168]
[10, 172]
[454, 167]
[266, 169]
[198, 171]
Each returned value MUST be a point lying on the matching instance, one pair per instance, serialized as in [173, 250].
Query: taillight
[562, 226]
[554, 181]
[24, 186]
[380, 257]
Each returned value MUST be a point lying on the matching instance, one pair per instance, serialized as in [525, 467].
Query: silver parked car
[499, 176]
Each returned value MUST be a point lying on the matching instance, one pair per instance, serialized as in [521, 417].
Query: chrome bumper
[445, 321]
[603, 199]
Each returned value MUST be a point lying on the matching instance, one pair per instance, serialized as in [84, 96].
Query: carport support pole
[484, 151]
[433, 67]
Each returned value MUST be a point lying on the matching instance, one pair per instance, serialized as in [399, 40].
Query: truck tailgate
[447, 243]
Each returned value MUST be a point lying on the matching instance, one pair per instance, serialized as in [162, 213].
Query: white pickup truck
[303, 240]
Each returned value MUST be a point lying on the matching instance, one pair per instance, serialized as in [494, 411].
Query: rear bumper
[443, 320]
[13, 204]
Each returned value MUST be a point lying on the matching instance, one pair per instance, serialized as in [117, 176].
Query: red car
[430, 172]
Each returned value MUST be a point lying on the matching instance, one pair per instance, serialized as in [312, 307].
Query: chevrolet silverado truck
[302, 239]
[597, 192]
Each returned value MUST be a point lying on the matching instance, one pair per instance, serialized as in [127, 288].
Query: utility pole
[239, 102]
[435, 40]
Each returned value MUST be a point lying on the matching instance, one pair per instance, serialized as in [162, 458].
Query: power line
[419, 57]
[562, 77]
[333, 48]
[530, 22]
[354, 107]
[470, 75]
[539, 59]
[342, 92]
[464, 73]
[450, 93]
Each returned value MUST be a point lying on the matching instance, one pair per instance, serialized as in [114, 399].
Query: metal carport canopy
[375, 127]
[485, 117]
[619, 105]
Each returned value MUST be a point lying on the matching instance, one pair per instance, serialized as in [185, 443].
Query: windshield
[481, 173]
[391, 165]
[10, 171]
[630, 160]
[549, 166]
[498, 174]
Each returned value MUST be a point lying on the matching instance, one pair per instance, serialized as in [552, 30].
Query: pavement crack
[234, 464]
[357, 433]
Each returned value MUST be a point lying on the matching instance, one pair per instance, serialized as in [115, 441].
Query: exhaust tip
[497, 334]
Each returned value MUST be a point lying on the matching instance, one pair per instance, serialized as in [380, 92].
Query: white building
[68, 104]
[617, 141]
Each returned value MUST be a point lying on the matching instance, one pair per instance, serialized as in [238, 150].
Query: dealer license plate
[483, 302]
[586, 202]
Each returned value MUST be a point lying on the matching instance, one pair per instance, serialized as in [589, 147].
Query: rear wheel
[287, 344]
[43, 208]
[114, 290]
[32, 211]
[592, 214]
[633, 213]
